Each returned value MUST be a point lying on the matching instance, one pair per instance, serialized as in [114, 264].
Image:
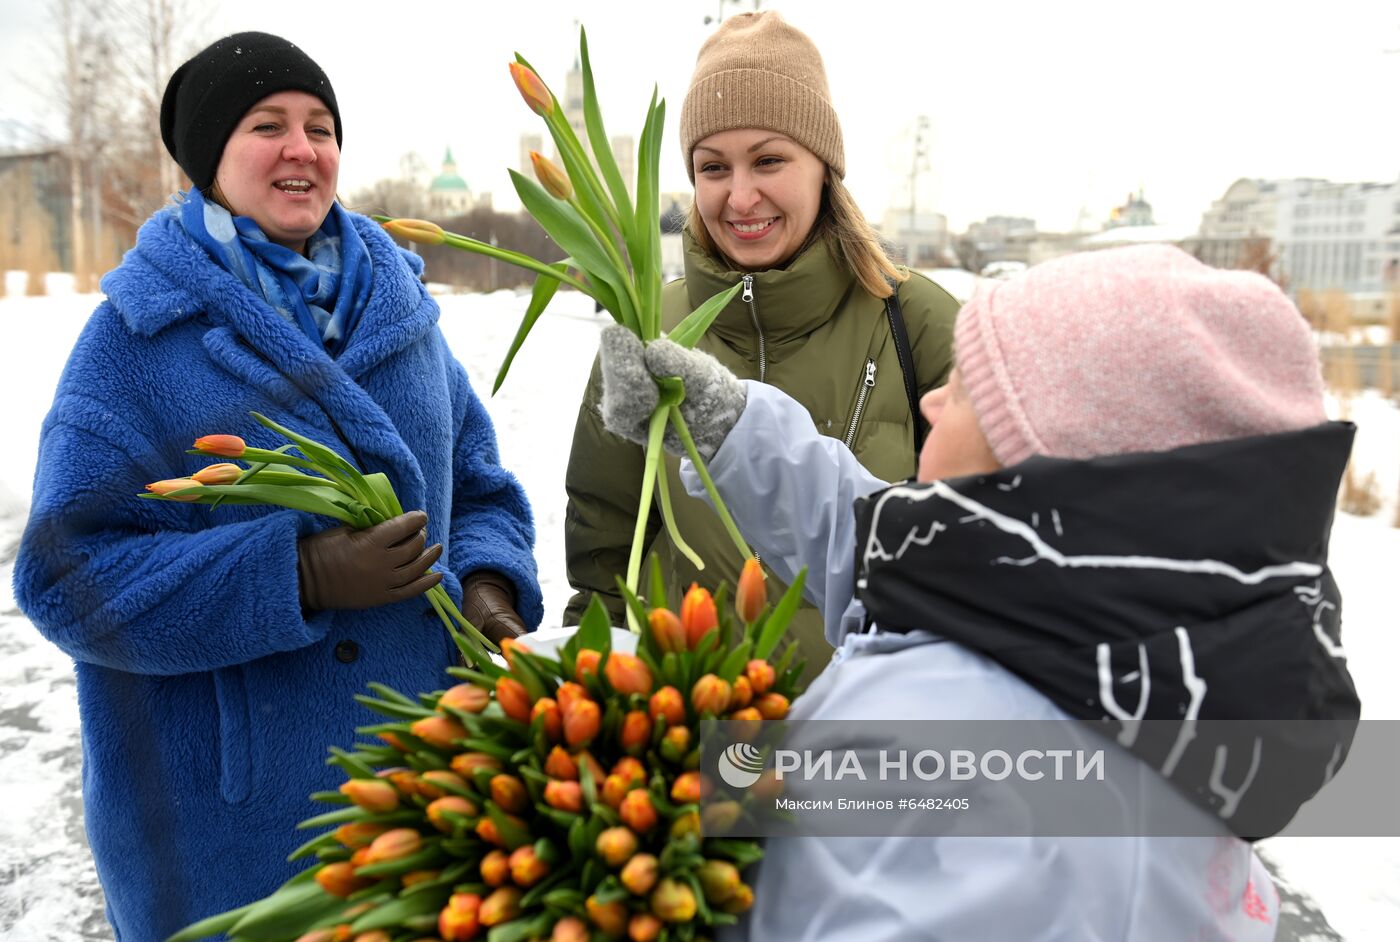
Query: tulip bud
[559, 764]
[508, 648]
[687, 823]
[748, 722]
[564, 795]
[667, 702]
[419, 876]
[610, 918]
[761, 676]
[698, 615]
[220, 446]
[532, 89]
[436, 783]
[595, 769]
[218, 474]
[468, 698]
[569, 929]
[373, 795]
[710, 695]
[526, 867]
[666, 630]
[360, 834]
[616, 845]
[405, 780]
[514, 698]
[458, 920]
[719, 879]
[768, 786]
[690, 787]
[467, 764]
[742, 693]
[640, 874]
[555, 181]
[495, 868]
[675, 744]
[773, 706]
[581, 723]
[586, 662]
[719, 816]
[509, 792]
[169, 487]
[630, 769]
[394, 741]
[635, 735]
[391, 845]
[318, 935]
[752, 594]
[360, 857]
[673, 901]
[628, 674]
[637, 811]
[568, 694]
[439, 731]
[643, 927]
[438, 811]
[416, 230]
[503, 905]
[553, 718]
[374, 935]
[338, 879]
[741, 902]
[615, 788]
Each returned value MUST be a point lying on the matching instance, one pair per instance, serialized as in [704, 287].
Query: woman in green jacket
[763, 147]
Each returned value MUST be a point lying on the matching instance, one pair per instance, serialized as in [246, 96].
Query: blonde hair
[852, 241]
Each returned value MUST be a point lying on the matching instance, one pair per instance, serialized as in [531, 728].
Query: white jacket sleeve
[791, 491]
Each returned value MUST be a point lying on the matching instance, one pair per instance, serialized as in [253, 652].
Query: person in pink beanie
[1120, 517]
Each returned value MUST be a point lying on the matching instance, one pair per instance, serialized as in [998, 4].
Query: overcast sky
[1035, 109]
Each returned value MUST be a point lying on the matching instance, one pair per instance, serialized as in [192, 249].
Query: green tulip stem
[668, 515]
[449, 613]
[515, 258]
[655, 430]
[607, 240]
[733, 530]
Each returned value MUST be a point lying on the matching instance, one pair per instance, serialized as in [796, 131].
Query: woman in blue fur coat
[218, 650]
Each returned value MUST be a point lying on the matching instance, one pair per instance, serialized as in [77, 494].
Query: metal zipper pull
[870, 372]
[748, 289]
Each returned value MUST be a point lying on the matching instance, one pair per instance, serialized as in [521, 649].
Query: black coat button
[347, 652]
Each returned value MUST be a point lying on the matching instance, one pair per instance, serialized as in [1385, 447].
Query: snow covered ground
[48, 891]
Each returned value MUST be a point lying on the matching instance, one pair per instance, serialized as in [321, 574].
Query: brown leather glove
[488, 601]
[344, 568]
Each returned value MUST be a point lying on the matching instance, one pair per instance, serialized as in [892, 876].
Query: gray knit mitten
[714, 397]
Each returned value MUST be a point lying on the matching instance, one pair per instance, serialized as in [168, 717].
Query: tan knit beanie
[756, 71]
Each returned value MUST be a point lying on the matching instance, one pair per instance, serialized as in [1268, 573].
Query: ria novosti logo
[740, 765]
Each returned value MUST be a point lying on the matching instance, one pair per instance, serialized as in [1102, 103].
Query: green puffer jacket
[810, 330]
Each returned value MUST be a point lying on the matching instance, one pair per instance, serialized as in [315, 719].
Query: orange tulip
[698, 615]
[338, 879]
[773, 706]
[710, 695]
[719, 816]
[221, 446]
[586, 662]
[419, 876]
[373, 795]
[169, 487]
[391, 845]
[635, 735]
[637, 811]
[628, 674]
[643, 927]
[581, 723]
[673, 901]
[719, 879]
[553, 718]
[508, 648]
[768, 786]
[616, 845]
[686, 823]
[218, 474]
[742, 693]
[752, 594]
[439, 809]
[741, 902]
[630, 769]
[667, 703]
[439, 731]
[514, 698]
[360, 834]
[555, 181]
[666, 630]
[467, 764]
[761, 676]
[458, 920]
[468, 698]
[568, 694]
[532, 89]
[501, 906]
[405, 780]
[640, 874]
[569, 929]
[436, 783]
[495, 868]
[416, 230]
[566, 796]
[615, 788]
[509, 792]
[747, 720]
[610, 918]
[690, 787]
[559, 764]
[526, 867]
[394, 741]
[675, 744]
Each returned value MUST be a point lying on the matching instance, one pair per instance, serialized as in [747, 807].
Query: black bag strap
[906, 365]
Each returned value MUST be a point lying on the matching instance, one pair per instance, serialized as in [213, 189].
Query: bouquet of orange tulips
[614, 257]
[556, 798]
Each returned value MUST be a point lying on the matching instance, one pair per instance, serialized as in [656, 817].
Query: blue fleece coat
[208, 697]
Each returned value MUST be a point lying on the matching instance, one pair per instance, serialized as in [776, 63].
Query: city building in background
[448, 193]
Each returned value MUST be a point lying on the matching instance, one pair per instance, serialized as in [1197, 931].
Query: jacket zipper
[866, 385]
[753, 312]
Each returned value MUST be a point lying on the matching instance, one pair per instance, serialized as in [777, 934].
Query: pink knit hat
[1134, 349]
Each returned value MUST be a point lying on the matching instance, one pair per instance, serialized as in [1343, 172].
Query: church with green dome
[448, 194]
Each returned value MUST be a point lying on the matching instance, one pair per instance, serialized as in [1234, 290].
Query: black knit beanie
[208, 95]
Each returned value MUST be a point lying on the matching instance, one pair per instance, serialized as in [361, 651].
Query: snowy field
[48, 892]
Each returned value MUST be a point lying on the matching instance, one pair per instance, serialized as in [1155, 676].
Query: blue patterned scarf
[323, 292]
